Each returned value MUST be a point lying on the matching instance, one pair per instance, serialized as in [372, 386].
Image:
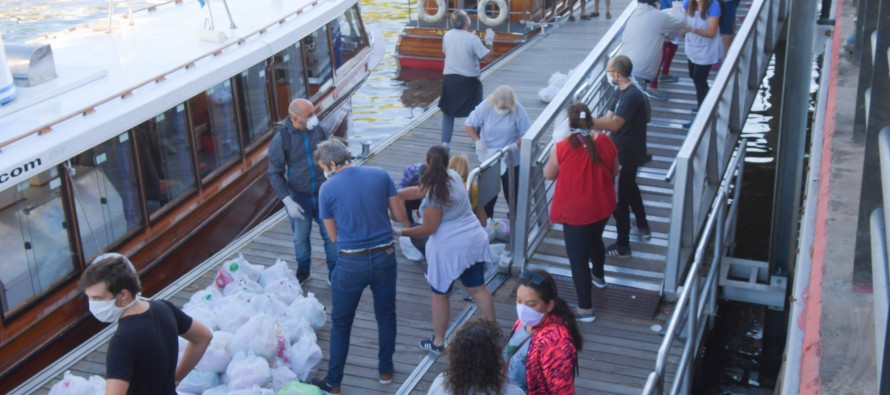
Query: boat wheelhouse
[419, 48]
[151, 141]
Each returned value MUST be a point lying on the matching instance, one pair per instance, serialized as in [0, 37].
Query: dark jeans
[417, 242]
[302, 228]
[351, 275]
[699, 74]
[508, 192]
[629, 198]
[447, 128]
[584, 244]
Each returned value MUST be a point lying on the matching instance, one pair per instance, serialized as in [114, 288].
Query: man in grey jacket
[296, 180]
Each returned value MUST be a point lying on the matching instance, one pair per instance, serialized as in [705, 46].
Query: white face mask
[612, 81]
[106, 311]
[527, 315]
[330, 173]
[502, 111]
[311, 123]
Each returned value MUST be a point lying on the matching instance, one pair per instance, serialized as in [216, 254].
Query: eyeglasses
[537, 279]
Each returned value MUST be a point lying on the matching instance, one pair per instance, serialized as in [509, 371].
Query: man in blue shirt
[355, 204]
[297, 180]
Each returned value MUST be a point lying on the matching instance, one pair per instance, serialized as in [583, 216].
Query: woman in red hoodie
[542, 352]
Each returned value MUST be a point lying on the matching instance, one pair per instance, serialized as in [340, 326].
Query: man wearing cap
[356, 204]
[142, 353]
[297, 180]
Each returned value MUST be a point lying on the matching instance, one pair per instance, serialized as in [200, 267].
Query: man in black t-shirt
[627, 122]
[142, 354]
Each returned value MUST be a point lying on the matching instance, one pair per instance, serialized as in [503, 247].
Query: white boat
[151, 140]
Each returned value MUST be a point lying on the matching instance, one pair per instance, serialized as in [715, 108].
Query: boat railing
[487, 178]
[160, 78]
[879, 220]
[697, 302]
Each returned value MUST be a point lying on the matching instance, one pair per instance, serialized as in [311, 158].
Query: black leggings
[699, 74]
[584, 244]
[508, 192]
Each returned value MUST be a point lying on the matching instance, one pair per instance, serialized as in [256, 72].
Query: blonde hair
[461, 165]
[502, 97]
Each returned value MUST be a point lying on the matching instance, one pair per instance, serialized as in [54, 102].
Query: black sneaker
[302, 277]
[427, 345]
[618, 251]
[324, 386]
[599, 282]
[585, 317]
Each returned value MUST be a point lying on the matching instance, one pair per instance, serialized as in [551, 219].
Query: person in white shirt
[461, 87]
[642, 42]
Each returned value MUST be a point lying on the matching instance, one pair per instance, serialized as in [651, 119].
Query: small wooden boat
[419, 48]
[147, 135]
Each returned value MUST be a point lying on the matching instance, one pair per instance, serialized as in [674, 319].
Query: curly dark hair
[475, 364]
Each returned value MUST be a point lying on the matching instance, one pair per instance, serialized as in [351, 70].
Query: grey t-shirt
[463, 51]
[458, 200]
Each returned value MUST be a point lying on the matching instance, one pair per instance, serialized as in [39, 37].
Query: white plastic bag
[242, 285]
[258, 336]
[231, 313]
[72, 385]
[501, 228]
[298, 388]
[202, 314]
[255, 390]
[248, 370]
[97, 383]
[206, 297]
[218, 390]
[409, 250]
[216, 358]
[197, 381]
[286, 289]
[304, 356]
[234, 270]
[310, 309]
[281, 375]
[547, 93]
[277, 271]
[296, 329]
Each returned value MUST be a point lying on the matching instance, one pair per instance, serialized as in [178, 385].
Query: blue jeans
[302, 228]
[350, 277]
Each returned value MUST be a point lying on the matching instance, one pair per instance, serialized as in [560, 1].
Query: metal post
[231, 21]
[871, 117]
[792, 135]
[210, 12]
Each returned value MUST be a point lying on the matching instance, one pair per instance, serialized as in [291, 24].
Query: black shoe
[302, 277]
[644, 232]
[599, 282]
[323, 385]
[618, 251]
[427, 344]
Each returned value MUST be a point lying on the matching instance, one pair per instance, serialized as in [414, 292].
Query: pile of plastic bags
[264, 340]
[263, 327]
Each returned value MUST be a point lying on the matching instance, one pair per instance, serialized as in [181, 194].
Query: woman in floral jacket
[542, 351]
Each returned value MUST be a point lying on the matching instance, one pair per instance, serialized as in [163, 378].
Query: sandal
[585, 17]
[595, 14]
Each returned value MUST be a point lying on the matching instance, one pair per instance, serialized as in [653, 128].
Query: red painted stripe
[811, 320]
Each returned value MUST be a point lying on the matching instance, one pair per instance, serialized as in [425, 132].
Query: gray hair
[503, 98]
[332, 150]
[460, 19]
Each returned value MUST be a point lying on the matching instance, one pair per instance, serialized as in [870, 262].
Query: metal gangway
[695, 181]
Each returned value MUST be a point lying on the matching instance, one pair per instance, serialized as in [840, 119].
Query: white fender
[503, 11]
[440, 11]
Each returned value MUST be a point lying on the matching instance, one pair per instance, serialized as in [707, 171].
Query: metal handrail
[705, 153]
[503, 154]
[697, 300]
[879, 221]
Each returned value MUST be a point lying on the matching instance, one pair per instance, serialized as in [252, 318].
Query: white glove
[481, 149]
[489, 37]
[293, 209]
[396, 232]
[677, 5]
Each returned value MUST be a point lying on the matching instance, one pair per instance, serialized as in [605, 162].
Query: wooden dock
[620, 346]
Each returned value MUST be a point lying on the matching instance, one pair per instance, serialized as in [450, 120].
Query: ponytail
[436, 178]
[580, 123]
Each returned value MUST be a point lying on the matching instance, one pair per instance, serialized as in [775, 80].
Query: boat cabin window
[251, 87]
[106, 194]
[317, 53]
[165, 152]
[289, 83]
[37, 251]
[348, 36]
[215, 126]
